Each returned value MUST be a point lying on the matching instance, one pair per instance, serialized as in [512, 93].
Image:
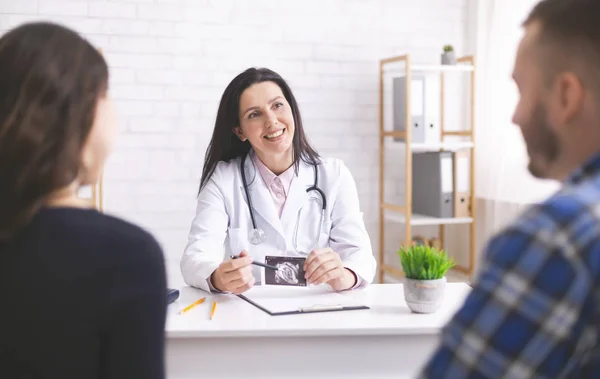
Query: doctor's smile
[274, 136]
[266, 195]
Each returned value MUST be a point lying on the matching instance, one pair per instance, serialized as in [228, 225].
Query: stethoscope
[257, 236]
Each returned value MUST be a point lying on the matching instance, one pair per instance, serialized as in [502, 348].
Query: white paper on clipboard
[281, 299]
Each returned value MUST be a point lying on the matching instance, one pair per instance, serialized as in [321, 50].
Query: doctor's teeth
[276, 134]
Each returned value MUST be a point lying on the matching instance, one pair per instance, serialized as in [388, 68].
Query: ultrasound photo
[290, 271]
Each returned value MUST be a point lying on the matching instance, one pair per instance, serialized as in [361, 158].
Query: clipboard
[299, 300]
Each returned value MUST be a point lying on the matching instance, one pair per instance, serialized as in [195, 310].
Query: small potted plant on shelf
[448, 57]
[425, 281]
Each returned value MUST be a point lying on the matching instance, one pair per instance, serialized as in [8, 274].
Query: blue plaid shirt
[534, 310]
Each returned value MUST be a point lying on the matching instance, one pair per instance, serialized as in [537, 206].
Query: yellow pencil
[198, 302]
[214, 308]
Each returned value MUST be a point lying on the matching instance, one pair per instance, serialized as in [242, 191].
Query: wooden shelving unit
[94, 195]
[97, 194]
[403, 214]
[97, 189]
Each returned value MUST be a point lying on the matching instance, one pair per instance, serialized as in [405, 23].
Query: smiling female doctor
[265, 191]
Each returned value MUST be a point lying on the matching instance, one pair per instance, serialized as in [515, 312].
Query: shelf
[425, 147]
[417, 219]
[447, 140]
[396, 272]
[443, 68]
[398, 69]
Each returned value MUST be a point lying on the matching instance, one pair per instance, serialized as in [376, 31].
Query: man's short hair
[570, 37]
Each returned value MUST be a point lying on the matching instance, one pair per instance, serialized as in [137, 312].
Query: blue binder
[172, 295]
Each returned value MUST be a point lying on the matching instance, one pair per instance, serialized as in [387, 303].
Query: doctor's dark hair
[50, 82]
[225, 145]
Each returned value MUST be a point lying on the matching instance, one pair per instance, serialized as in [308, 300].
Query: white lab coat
[222, 222]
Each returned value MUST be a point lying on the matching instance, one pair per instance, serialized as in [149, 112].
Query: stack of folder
[441, 184]
[440, 179]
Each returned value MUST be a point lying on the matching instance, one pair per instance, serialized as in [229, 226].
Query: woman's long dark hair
[225, 145]
[50, 82]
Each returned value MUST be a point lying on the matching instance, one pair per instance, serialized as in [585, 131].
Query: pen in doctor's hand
[234, 275]
[258, 264]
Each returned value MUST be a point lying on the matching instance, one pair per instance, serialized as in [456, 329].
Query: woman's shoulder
[335, 174]
[100, 231]
[132, 249]
[334, 166]
[331, 162]
[224, 167]
[128, 233]
[225, 172]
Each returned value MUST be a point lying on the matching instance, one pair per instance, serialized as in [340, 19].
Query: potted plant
[425, 281]
[448, 57]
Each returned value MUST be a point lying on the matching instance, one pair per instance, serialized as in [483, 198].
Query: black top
[83, 295]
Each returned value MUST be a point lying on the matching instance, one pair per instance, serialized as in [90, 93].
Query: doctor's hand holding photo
[267, 192]
[234, 275]
[326, 266]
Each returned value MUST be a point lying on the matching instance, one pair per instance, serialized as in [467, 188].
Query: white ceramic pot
[424, 296]
[449, 58]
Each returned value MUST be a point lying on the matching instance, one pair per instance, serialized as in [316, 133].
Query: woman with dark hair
[83, 294]
[266, 195]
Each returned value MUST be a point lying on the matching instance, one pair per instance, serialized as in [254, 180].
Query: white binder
[425, 107]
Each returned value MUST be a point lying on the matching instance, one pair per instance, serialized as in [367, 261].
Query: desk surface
[234, 317]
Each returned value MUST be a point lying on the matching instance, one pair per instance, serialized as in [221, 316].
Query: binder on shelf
[433, 184]
[425, 105]
[462, 198]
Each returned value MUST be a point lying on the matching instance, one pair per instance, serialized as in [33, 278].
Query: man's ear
[238, 132]
[571, 96]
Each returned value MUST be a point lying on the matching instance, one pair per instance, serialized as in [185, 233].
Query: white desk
[387, 341]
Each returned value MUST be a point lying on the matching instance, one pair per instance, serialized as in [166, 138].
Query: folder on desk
[283, 300]
[462, 193]
[433, 184]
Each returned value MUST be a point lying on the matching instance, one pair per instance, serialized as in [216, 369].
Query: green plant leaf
[424, 262]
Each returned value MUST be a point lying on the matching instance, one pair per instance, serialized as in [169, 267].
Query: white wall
[171, 59]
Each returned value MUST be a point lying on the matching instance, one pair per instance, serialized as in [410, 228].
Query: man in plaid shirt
[534, 311]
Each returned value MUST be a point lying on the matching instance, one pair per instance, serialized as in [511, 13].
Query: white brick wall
[171, 60]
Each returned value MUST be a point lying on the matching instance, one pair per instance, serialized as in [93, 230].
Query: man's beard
[542, 144]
